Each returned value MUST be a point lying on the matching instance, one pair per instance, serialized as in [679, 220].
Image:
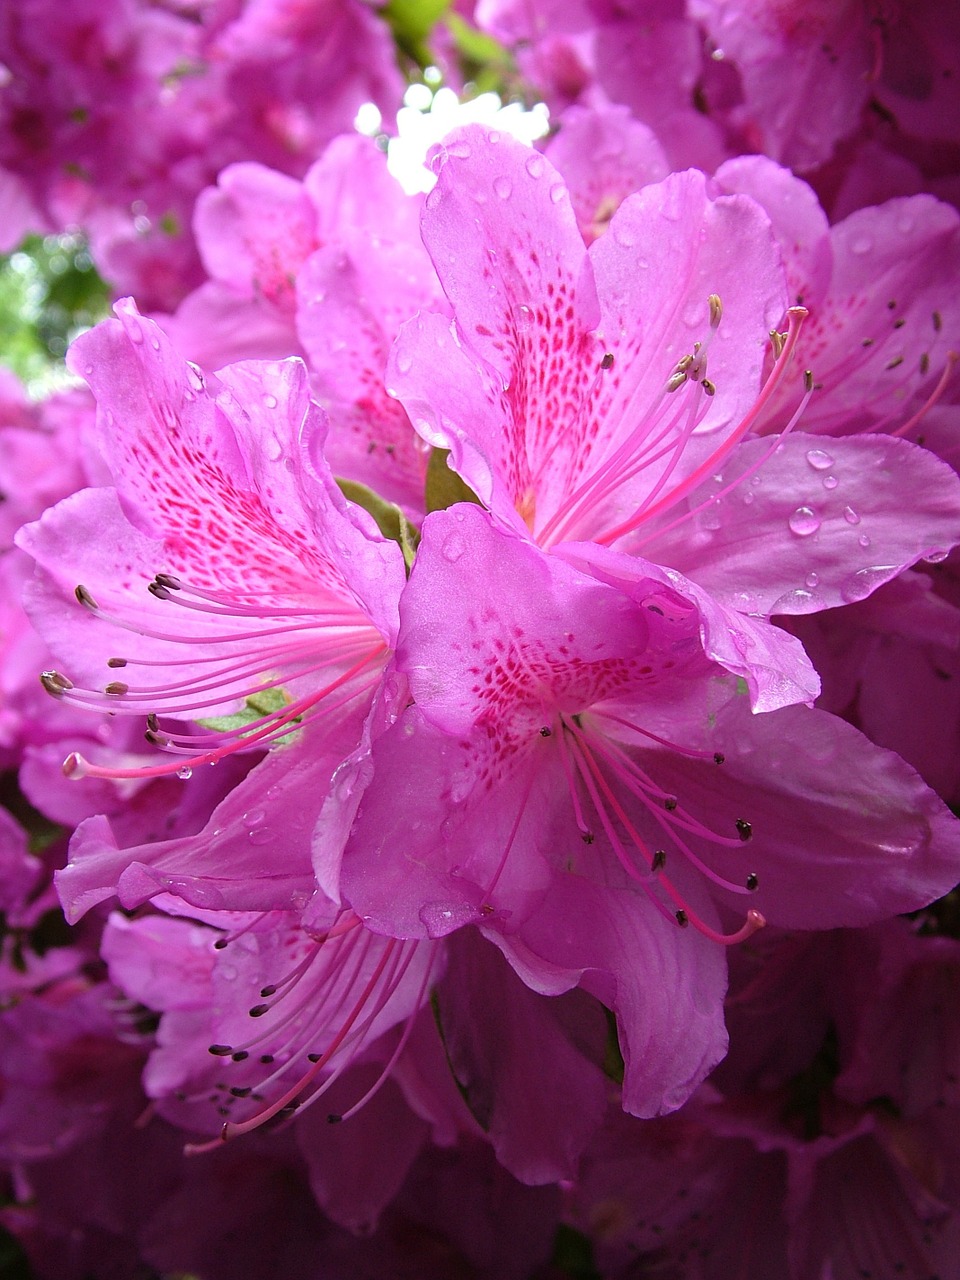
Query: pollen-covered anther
[676, 380]
[709, 388]
[777, 339]
[168, 580]
[716, 311]
[84, 597]
[607, 361]
[116, 662]
[116, 689]
[55, 683]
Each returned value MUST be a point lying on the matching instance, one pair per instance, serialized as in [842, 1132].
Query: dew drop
[861, 584]
[935, 557]
[493, 137]
[830, 482]
[503, 187]
[804, 522]
[453, 548]
[185, 773]
[819, 460]
[861, 245]
[404, 364]
[864, 540]
[523, 317]
[812, 580]
[557, 192]
[747, 498]
[850, 515]
[535, 165]
[623, 234]
[261, 835]
[710, 519]
[135, 334]
[270, 400]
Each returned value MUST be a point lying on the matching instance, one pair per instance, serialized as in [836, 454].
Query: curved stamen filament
[78, 766]
[602, 795]
[795, 318]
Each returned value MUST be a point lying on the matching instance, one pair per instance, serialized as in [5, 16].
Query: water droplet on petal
[830, 482]
[433, 199]
[861, 245]
[850, 515]
[503, 187]
[812, 580]
[804, 522]
[864, 540]
[535, 165]
[185, 773]
[819, 460]
[404, 363]
[557, 192]
[623, 234]
[523, 317]
[935, 557]
[861, 584]
[135, 334]
[270, 400]
[453, 548]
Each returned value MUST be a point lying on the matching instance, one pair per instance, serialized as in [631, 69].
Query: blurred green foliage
[49, 292]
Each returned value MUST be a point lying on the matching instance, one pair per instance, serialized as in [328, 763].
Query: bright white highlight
[426, 118]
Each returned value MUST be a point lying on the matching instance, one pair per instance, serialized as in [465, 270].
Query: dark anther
[333, 1118]
[156, 739]
[159, 590]
[259, 1010]
[682, 919]
[546, 732]
[655, 608]
[153, 724]
[744, 829]
[84, 597]
[240, 1056]
[659, 860]
[937, 321]
[607, 361]
[220, 944]
[116, 662]
[587, 837]
[670, 803]
[266, 1059]
[55, 683]
[220, 1050]
[268, 991]
[167, 580]
[314, 1057]
[240, 1091]
[289, 1109]
[752, 882]
[718, 757]
[116, 688]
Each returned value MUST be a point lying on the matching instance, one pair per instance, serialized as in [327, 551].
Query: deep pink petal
[844, 517]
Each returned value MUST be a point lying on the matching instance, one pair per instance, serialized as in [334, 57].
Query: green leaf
[444, 487]
[391, 521]
[268, 702]
[573, 1254]
[411, 22]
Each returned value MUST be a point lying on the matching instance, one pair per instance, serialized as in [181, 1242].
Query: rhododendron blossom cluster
[479, 683]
